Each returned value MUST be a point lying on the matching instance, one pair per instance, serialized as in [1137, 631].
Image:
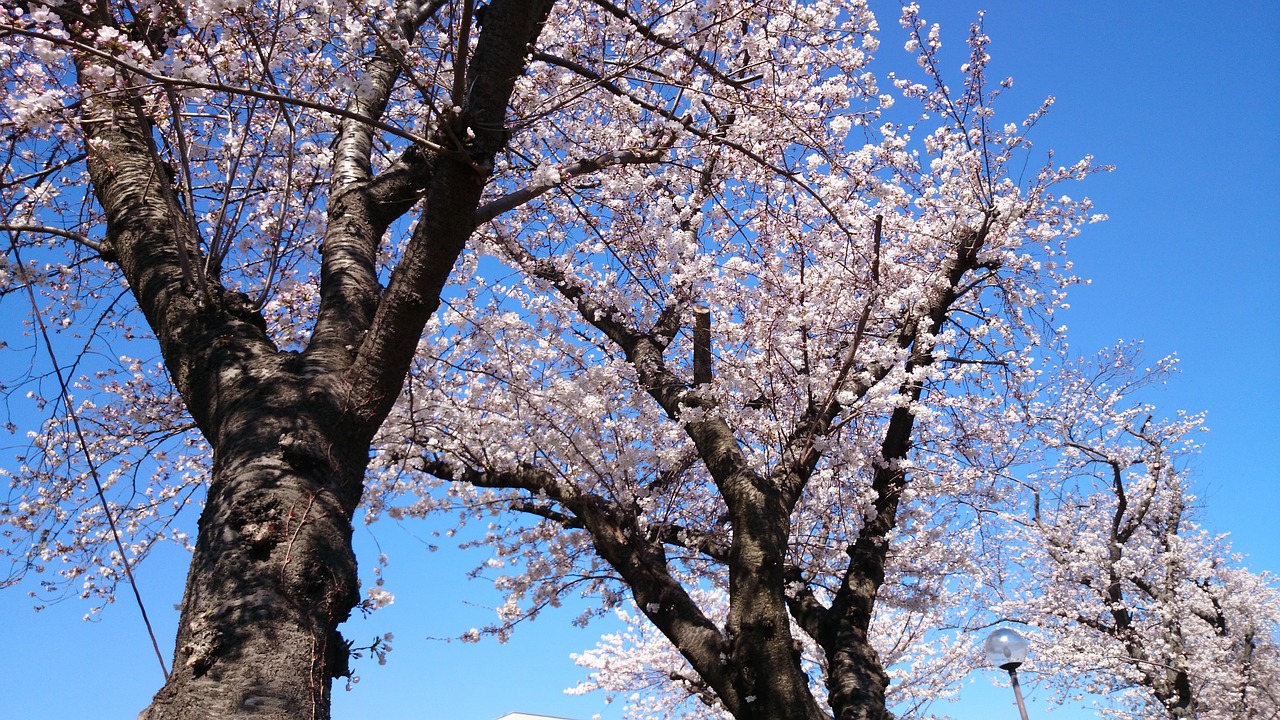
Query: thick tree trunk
[273, 573]
[766, 657]
[258, 629]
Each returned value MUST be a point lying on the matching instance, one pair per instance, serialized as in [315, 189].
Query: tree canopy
[737, 327]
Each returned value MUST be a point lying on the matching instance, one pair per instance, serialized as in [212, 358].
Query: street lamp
[1007, 650]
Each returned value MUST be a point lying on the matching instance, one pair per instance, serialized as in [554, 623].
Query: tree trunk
[766, 657]
[273, 573]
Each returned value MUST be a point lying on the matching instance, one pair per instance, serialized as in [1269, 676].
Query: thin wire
[84, 448]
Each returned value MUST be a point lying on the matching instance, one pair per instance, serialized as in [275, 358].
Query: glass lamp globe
[1006, 649]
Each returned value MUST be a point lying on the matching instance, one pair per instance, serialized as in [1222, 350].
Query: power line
[84, 449]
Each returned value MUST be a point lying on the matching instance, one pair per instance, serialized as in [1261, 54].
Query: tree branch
[413, 293]
[621, 543]
[512, 200]
[59, 232]
[199, 329]
[690, 539]
[349, 287]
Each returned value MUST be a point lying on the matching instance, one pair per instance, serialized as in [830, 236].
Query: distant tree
[1131, 597]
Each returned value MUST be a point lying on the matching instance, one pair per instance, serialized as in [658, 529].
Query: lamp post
[1007, 650]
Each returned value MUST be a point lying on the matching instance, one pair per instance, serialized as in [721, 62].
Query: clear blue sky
[1181, 96]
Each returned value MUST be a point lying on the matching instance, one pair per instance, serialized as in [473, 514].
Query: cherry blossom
[742, 335]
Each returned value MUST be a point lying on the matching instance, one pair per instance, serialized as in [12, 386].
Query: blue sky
[1181, 96]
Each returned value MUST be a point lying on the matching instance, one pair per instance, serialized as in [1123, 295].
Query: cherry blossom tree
[759, 389]
[1131, 598]
[274, 196]
[283, 189]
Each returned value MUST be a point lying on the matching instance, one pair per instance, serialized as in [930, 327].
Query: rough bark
[273, 573]
[764, 657]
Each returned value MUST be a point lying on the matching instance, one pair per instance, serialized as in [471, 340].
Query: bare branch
[46, 230]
